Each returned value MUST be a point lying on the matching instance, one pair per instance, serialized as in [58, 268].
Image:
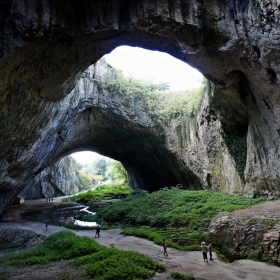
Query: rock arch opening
[46, 46]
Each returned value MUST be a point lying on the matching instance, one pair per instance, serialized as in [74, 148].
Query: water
[85, 224]
[86, 210]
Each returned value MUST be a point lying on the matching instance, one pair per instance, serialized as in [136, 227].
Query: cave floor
[185, 262]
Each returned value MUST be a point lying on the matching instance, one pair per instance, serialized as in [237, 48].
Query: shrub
[173, 208]
[97, 261]
[100, 193]
[61, 245]
[179, 275]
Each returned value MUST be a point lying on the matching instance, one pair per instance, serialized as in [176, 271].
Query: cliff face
[45, 45]
[59, 179]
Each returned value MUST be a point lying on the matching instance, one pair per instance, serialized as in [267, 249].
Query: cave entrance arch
[143, 159]
[46, 45]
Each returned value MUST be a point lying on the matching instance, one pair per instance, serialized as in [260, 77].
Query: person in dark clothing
[164, 244]
[210, 246]
[97, 233]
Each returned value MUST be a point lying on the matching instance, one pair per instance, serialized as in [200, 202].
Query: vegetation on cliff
[162, 105]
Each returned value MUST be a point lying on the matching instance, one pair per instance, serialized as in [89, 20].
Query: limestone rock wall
[57, 180]
[197, 140]
[46, 45]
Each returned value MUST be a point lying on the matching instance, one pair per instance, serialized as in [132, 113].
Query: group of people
[205, 249]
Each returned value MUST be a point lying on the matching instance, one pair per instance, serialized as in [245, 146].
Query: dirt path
[186, 262]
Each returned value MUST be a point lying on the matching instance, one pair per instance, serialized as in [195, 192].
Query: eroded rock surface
[46, 45]
[17, 236]
[57, 180]
[252, 233]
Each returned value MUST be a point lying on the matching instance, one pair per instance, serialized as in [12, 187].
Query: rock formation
[252, 233]
[57, 180]
[46, 45]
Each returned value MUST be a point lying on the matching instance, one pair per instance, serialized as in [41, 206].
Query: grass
[157, 235]
[118, 264]
[97, 261]
[174, 208]
[100, 193]
[180, 216]
[182, 276]
[62, 245]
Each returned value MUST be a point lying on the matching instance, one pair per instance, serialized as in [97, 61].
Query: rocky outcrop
[46, 45]
[57, 180]
[19, 237]
[253, 234]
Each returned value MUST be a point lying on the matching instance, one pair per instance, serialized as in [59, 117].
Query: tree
[84, 179]
[77, 164]
[117, 172]
[97, 178]
[100, 166]
[163, 86]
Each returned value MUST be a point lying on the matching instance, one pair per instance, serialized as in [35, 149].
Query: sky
[155, 66]
[148, 65]
[86, 157]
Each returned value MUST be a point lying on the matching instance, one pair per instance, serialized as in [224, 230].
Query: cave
[47, 45]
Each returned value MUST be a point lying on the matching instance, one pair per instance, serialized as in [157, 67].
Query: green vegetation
[96, 260]
[180, 216]
[129, 87]
[179, 275]
[162, 105]
[173, 106]
[92, 173]
[174, 208]
[84, 181]
[117, 173]
[116, 264]
[62, 245]
[100, 193]
[156, 235]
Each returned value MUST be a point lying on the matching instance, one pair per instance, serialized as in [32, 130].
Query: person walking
[46, 224]
[97, 233]
[164, 244]
[210, 247]
[204, 251]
